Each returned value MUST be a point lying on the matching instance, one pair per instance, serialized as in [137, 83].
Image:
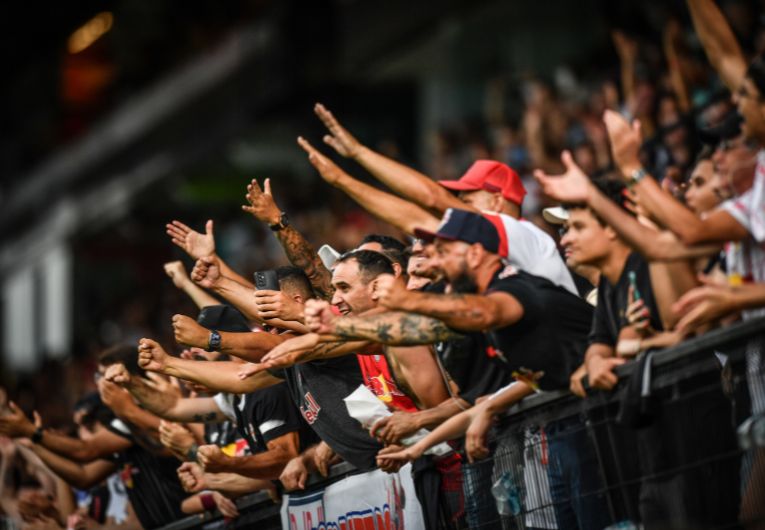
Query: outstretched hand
[261, 203]
[704, 304]
[195, 244]
[572, 186]
[15, 424]
[326, 168]
[625, 139]
[338, 138]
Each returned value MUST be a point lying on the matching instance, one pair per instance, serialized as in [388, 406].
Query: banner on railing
[374, 500]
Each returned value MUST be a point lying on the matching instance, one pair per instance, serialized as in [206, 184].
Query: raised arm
[719, 42]
[81, 476]
[103, 443]
[199, 246]
[177, 272]
[207, 273]
[392, 328]
[166, 405]
[403, 214]
[719, 226]
[248, 346]
[220, 376]
[299, 251]
[403, 180]
[574, 186]
[462, 312]
[268, 464]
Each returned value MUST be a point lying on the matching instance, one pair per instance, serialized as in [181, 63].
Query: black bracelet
[37, 435]
[191, 454]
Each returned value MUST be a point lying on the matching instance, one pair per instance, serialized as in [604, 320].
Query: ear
[497, 202]
[610, 233]
[474, 255]
[397, 269]
[298, 298]
[372, 289]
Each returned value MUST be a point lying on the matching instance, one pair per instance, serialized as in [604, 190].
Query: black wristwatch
[213, 344]
[37, 435]
[284, 222]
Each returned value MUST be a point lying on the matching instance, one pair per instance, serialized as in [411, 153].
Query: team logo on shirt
[508, 271]
[309, 409]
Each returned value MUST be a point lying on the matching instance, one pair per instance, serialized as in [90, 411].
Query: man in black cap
[535, 330]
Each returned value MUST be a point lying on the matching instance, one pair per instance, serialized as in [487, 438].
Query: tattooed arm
[263, 207]
[394, 328]
[463, 312]
[302, 255]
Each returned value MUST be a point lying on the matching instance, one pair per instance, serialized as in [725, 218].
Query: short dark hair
[613, 189]
[386, 242]
[371, 264]
[122, 353]
[295, 280]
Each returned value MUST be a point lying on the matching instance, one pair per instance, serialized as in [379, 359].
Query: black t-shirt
[609, 317]
[466, 361]
[151, 481]
[269, 413]
[318, 388]
[550, 337]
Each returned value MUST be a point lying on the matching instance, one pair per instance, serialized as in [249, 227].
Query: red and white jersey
[531, 249]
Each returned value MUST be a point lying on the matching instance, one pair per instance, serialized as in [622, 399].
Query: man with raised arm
[535, 331]
[490, 187]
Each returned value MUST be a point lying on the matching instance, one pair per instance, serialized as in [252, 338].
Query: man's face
[747, 100]
[480, 199]
[701, 193]
[352, 295]
[452, 260]
[586, 241]
[735, 161]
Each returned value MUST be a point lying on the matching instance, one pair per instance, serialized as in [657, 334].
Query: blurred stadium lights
[90, 32]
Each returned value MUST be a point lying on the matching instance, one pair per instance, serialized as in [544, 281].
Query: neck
[613, 265]
[511, 209]
[486, 272]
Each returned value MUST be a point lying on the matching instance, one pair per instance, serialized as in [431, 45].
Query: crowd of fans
[659, 200]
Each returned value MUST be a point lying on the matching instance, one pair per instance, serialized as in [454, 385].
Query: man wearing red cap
[489, 187]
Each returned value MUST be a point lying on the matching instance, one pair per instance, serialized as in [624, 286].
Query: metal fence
[674, 446]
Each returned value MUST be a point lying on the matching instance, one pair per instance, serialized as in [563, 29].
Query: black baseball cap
[462, 225]
[223, 318]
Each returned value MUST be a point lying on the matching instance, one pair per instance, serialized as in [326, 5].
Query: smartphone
[266, 281]
[328, 255]
[633, 284]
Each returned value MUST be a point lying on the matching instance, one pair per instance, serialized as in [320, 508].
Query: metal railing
[661, 449]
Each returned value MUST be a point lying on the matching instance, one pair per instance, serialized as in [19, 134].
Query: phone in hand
[633, 284]
[266, 281]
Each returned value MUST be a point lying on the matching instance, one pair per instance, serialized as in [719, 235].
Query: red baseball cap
[491, 176]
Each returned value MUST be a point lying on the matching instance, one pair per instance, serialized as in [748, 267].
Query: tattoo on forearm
[302, 255]
[396, 329]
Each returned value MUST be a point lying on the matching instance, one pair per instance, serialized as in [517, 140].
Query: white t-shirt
[225, 402]
[746, 259]
[531, 249]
